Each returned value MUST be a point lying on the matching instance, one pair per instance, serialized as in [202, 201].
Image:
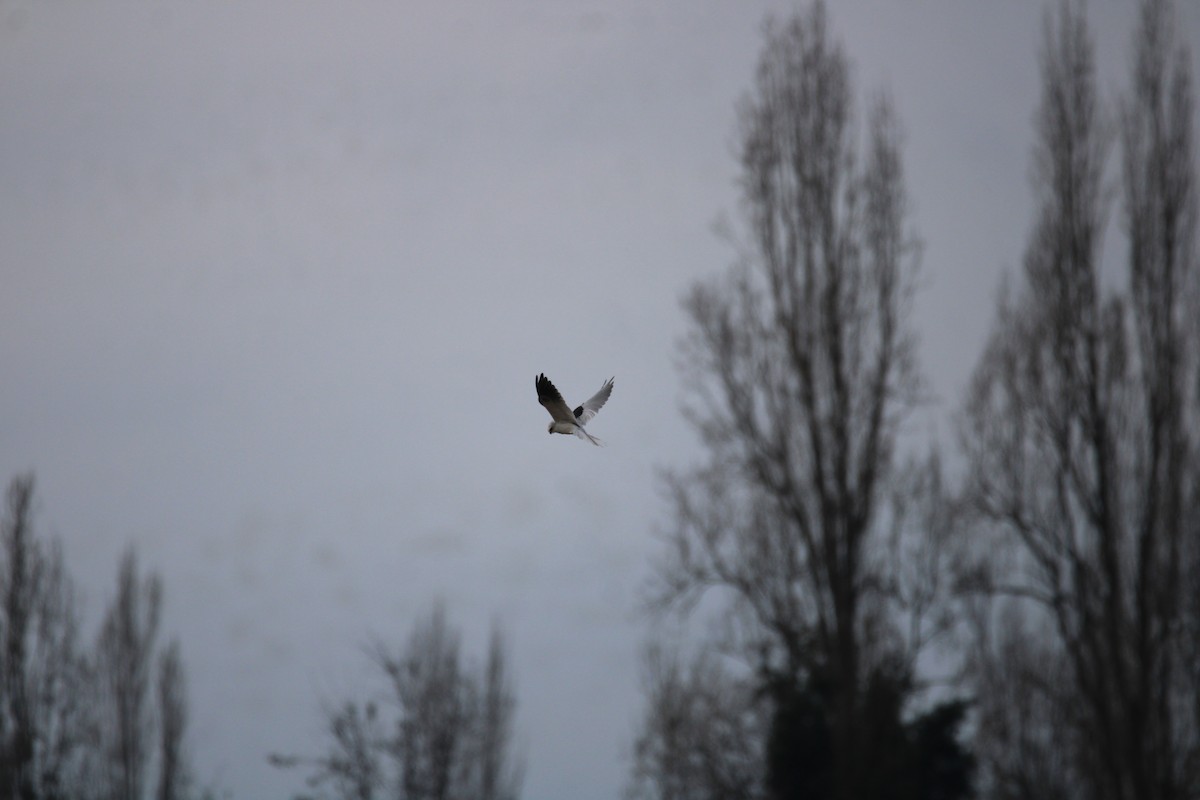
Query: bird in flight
[565, 420]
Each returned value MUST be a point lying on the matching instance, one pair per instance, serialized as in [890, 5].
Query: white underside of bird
[564, 419]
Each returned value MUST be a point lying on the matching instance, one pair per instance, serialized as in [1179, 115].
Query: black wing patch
[547, 393]
[579, 412]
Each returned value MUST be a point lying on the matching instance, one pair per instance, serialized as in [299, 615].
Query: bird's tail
[582, 434]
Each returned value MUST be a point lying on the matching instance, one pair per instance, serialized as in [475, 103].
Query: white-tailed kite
[566, 421]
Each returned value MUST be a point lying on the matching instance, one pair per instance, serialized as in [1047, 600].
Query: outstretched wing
[590, 406]
[552, 400]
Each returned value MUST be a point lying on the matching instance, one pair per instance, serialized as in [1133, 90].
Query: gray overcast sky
[277, 277]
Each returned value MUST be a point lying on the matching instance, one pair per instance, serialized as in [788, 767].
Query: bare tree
[1081, 425]
[1022, 734]
[19, 593]
[450, 737]
[499, 772]
[918, 565]
[125, 660]
[41, 669]
[76, 724]
[353, 764]
[172, 717]
[801, 367]
[436, 703]
[702, 734]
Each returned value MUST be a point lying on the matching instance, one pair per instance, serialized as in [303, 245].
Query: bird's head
[550, 427]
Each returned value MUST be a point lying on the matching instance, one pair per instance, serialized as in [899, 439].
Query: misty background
[277, 279]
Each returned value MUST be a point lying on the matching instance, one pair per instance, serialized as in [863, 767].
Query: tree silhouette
[450, 737]
[800, 364]
[1084, 448]
[172, 723]
[899, 758]
[702, 734]
[75, 723]
[125, 661]
[41, 669]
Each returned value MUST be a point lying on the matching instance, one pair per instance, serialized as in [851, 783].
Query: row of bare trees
[439, 727]
[105, 721]
[869, 612]
[108, 721]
